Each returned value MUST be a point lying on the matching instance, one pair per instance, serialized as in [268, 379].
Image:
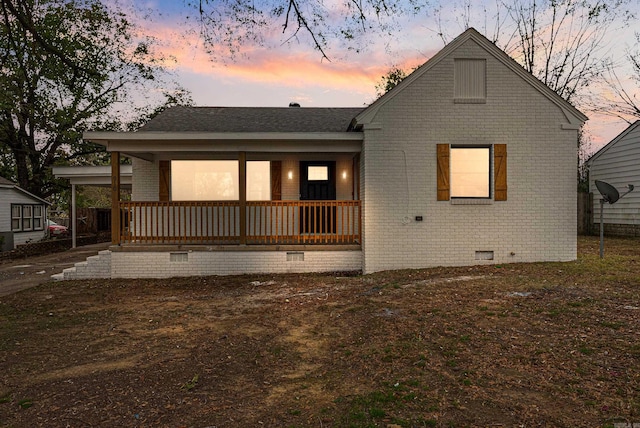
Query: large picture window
[213, 180]
[218, 180]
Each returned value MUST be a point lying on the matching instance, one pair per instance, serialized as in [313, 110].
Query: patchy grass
[543, 344]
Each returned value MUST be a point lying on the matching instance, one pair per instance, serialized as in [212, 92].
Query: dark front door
[318, 183]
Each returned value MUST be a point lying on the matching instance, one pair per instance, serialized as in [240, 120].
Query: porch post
[242, 161]
[115, 198]
[74, 218]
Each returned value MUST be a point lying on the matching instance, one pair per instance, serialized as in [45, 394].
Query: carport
[99, 176]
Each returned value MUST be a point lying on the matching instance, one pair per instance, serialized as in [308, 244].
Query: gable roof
[7, 184]
[574, 116]
[252, 119]
[611, 143]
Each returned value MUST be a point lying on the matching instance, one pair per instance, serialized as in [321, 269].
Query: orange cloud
[284, 66]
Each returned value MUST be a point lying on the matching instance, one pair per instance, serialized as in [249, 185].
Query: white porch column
[74, 220]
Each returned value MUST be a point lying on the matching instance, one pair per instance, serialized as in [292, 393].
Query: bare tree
[562, 42]
[624, 101]
[234, 24]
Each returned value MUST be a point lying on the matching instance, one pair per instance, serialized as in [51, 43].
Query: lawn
[543, 344]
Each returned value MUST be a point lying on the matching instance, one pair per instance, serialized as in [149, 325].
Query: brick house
[469, 160]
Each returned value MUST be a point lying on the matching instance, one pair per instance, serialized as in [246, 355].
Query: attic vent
[292, 104]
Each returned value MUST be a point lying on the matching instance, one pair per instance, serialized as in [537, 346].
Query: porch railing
[218, 222]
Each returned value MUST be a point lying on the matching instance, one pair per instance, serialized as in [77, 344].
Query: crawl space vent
[179, 257]
[484, 255]
[295, 256]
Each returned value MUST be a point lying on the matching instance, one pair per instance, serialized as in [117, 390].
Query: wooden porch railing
[218, 222]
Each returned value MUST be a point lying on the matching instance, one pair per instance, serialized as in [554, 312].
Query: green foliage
[66, 64]
[390, 80]
[189, 385]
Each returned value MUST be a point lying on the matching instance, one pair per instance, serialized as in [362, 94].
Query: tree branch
[302, 24]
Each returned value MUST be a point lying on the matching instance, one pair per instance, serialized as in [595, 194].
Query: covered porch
[313, 192]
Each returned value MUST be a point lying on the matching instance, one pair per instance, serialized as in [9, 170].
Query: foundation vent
[178, 257]
[484, 255]
[295, 256]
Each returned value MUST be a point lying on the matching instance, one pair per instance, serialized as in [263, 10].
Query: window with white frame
[16, 217]
[38, 217]
[27, 217]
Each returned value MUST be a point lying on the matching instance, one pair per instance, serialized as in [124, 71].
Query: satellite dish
[609, 193]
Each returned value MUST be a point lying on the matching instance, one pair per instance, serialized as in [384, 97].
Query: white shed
[22, 215]
[618, 163]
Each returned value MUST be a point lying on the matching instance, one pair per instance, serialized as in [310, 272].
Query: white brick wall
[159, 264]
[145, 184]
[537, 222]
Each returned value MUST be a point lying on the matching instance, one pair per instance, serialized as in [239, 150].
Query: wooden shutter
[500, 172]
[164, 181]
[276, 180]
[443, 172]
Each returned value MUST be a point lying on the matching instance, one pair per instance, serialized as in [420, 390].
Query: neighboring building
[469, 160]
[23, 216]
[618, 163]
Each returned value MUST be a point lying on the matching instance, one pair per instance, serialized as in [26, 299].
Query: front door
[318, 183]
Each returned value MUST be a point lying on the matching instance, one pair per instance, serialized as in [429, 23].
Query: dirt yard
[523, 345]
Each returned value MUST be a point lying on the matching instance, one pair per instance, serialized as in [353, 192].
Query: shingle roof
[6, 182]
[252, 119]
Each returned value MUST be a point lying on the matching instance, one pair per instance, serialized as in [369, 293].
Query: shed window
[27, 217]
[16, 217]
[38, 216]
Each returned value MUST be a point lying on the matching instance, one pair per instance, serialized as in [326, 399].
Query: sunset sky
[294, 71]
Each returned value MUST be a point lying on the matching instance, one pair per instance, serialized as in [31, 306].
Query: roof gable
[252, 119]
[573, 115]
[613, 142]
[7, 184]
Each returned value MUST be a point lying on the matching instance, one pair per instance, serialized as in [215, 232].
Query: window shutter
[500, 172]
[276, 180]
[164, 181]
[443, 172]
